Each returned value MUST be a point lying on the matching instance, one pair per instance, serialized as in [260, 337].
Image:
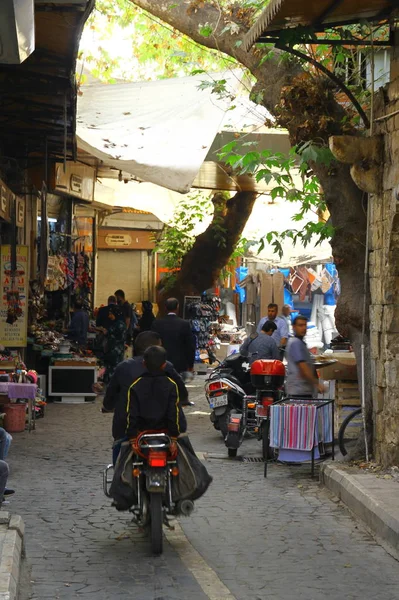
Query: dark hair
[144, 340]
[269, 326]
[273, 305]
[78, 304]
[171, 304]
[120, 293]
[111, 300]
[154, 358]
[299, 318]
[146, 305]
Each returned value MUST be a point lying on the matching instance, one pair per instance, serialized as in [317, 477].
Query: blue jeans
[5, 441]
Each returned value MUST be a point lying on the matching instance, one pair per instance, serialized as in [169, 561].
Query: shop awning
[162, 131]
[318, 14]
[38, 110]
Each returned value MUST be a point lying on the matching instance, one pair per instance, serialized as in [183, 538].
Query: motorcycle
[267, 377]
[230, 396]
[154, 466]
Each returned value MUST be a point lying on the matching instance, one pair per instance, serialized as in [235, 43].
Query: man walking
[280, 336]
[177, 337]
[262, 346]
[301, 376]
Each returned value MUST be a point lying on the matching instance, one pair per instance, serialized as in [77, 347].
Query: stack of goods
[45, 337]
[340, 344]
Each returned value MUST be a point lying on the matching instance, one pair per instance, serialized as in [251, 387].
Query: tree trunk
[305, 105]
[212, 249]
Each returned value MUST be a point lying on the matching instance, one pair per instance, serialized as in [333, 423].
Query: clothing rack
[318, 403]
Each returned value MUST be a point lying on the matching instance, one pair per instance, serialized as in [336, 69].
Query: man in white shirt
[280, 336]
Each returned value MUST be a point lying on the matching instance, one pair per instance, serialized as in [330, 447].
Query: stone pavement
[275, 539]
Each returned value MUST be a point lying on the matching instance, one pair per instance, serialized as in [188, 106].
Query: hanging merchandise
[83, 280]
[314, 280]
[202, 313]
[326, 281]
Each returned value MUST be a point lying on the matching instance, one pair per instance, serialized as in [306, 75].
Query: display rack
[201, 311]
[318, 436]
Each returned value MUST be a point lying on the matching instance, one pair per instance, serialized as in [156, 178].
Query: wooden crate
[347, 399]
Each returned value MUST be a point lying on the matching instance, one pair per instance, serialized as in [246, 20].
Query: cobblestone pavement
[274, 539]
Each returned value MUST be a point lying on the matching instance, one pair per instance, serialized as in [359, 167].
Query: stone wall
[384, 279]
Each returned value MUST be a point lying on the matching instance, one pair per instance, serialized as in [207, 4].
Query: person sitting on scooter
[262, 345]
[125, 374]
[153, 402]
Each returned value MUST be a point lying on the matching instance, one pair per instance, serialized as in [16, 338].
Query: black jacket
[178, 341]
[153, 405]
[116, 396]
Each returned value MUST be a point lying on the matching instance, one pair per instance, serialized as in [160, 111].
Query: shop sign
[5, 198]
[77, 180]
[76, 184]
[114, 240]
[14, 335]
[20, 212]
[125, 239]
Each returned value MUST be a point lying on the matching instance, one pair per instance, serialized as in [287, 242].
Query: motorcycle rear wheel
[156, 523]
[232, 452]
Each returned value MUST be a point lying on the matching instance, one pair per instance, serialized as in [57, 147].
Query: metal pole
[366, 271]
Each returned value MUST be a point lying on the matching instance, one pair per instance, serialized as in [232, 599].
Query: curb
[380, 519]
[12, 529]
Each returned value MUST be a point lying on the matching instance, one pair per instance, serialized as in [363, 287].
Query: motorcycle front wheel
[156, 523]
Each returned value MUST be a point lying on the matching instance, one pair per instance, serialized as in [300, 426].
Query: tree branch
[188, 17]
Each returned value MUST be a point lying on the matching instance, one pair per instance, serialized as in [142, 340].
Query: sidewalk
[372, 498]
[11, 552]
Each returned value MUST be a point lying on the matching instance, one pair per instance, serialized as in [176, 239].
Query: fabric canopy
[266, 216]
[158, 131]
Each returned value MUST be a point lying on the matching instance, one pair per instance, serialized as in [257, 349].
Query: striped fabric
[293, 426]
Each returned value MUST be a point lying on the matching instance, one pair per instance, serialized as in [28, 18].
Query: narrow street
[249, 539]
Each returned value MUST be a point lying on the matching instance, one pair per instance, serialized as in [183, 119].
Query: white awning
[159, 131]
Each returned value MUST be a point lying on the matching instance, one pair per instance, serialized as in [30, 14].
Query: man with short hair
[262, 346]
[286, 314]
[301, 376]
[280, 336]
[177, 337]
[128, 371]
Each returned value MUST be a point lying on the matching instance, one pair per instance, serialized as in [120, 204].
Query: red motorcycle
[267, 377]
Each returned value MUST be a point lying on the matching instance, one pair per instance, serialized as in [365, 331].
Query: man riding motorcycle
[128, 371]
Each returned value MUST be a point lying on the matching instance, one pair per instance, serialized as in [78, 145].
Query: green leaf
[205, 30]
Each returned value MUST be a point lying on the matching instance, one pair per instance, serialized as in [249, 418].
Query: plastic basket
[15, 417]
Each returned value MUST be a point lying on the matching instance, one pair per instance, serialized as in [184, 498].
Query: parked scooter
[154, 466]
[231, 398]
[267, 377]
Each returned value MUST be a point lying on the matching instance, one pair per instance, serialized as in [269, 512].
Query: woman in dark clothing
[115, 345]
[147, 318]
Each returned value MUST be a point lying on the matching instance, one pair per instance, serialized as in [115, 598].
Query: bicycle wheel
[349, 431]
[156, 523]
